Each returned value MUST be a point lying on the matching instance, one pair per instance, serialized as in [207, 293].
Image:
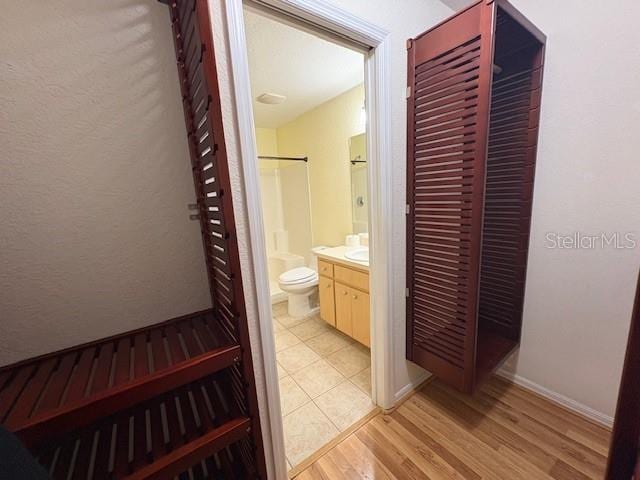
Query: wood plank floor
[503, 432]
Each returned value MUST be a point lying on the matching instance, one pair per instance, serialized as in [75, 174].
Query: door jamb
[378, 111]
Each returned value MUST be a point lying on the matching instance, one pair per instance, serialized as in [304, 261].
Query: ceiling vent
[271, 98]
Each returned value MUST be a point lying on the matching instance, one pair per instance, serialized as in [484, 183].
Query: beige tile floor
[325, 382]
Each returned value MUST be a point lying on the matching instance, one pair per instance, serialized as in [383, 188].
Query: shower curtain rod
[298, 159]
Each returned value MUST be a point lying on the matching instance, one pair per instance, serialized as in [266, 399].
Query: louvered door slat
[503, 269]
[203, 116]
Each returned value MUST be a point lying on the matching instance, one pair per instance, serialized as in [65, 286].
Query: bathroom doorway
[308, 101]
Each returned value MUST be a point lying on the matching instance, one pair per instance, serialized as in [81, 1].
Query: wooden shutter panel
[449, 68]
[471, 143]
[203, 118]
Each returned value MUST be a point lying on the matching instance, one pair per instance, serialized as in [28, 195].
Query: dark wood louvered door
[472, 132]
[197, 70]
[449, 80]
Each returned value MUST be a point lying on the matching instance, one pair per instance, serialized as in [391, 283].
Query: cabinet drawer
[353, 278]
[325, 268]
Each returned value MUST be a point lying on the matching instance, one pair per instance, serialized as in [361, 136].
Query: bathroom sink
[358, 254]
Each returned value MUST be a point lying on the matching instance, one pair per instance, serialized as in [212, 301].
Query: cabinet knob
[328, 285]
[355, 297]
[345, 292]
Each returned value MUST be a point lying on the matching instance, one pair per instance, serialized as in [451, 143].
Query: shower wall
[296, 207]
[286, 211]
[284, 187]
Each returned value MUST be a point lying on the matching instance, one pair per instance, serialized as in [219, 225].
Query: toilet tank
[280, 262]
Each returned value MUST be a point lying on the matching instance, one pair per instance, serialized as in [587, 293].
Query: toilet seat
[301, 286]
[298, 276]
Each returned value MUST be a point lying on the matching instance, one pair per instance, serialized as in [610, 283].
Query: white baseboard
[409, 387]
[568, 403]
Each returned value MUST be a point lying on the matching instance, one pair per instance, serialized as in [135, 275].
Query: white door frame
[378, 110]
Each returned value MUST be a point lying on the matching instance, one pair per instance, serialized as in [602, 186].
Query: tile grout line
[311, 399]
[327, 416]
[303, 341]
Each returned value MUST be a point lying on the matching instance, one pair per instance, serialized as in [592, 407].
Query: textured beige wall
[323, 134]
[95, 176]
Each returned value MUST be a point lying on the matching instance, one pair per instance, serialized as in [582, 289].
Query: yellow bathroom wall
[322, 134]
[267, 143]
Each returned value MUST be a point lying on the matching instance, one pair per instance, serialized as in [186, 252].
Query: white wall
[578, 302]
[95, 179]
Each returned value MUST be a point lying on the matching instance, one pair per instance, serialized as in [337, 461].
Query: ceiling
[457, 4]
[305, 68]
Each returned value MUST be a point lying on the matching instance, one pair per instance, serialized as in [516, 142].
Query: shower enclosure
[286, 210]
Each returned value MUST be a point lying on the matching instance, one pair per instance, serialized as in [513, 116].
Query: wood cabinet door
[327, 301]
[360, 317]
[343, 309]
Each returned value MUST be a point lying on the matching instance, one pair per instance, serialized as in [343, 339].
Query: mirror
[359, 175]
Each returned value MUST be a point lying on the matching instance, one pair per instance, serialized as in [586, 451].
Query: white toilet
[300, 284]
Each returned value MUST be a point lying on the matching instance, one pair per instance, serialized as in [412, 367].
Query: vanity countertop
[336, 255]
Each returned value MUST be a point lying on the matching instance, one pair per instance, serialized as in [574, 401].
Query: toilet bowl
[301, 286]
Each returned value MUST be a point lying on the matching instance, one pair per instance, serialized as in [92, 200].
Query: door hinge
[409, 43]
[407, 209]
[408, 92]
[406, 292]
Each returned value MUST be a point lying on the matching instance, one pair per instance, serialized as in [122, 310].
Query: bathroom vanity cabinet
[344, 299]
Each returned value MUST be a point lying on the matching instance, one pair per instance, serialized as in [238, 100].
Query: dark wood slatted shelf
[234, 462]
[159, 438]
[69, 389]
